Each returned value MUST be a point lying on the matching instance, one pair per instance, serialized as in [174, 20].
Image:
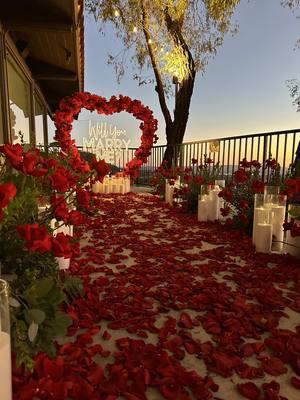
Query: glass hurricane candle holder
[272, 189]
[5, 347]
[204, 192]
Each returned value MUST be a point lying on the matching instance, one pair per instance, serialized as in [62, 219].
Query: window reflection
[19, 102]
[39, 122]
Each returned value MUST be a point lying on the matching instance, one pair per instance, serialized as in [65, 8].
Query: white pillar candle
[128, 184]
[106, 189]
[263, 239]
[278, 214]
[171, 194]
[167, 186]
[278, 234]
[257, 217]
[221, 205]
[202, 210]
[213, 205]
[114, 188]
[122, 188]
[63, 263]
[94, 187]
[100, 187]
[5, 367]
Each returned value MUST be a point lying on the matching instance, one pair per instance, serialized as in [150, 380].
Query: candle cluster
[114, 184]
[268, 219]
[209, 202]
[169, 191]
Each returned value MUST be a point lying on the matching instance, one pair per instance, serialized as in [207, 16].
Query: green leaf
[36, 315]
[61, 322]
[14, 302]
[32, 331]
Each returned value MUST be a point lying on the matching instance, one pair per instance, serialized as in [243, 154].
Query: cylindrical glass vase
[272, 189]
[5, 346]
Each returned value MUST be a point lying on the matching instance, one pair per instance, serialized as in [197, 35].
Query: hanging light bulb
[117, 13]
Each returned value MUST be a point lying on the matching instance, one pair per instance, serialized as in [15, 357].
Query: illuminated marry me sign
[105, 141]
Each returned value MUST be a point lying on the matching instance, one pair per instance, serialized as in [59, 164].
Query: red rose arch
[70, 106]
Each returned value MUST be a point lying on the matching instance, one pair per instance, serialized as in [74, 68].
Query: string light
[162, 49]
[134, 30]
[149, 41]
[117, 13]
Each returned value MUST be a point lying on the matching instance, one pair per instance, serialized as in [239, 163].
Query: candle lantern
[220, 183]
[258, 209]
[203, 203]
[278, 216]
[5, 346]
[272, 189]
[263, 235]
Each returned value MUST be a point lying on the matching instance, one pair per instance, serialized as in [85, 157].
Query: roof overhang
[49, 35]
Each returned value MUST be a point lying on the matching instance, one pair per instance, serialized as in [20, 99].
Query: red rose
[244, 204]
[101, 168]
[245, 164]
[61, 211]
[225, 211]
[61, 179]
[272, 163]
[226, 194]
[258, 186]
[14, 152]
[76, 218]
[241, 176]
[256, 164]
[199, 180]
[37, 237]
[295, 230]
[61, 245]
[83, 197]
[7, 193]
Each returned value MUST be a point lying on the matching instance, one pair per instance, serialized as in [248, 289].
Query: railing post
[265, 156]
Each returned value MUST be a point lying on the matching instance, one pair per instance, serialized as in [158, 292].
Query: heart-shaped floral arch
[70, 106]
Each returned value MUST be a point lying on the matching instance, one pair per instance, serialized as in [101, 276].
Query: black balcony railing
[226, 151]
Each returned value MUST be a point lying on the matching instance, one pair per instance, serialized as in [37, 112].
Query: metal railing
[227, 151]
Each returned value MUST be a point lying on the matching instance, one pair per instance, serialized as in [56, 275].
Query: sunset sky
[243, 89]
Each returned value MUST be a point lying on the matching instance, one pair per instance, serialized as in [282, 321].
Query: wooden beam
[49, 72]
[56, 77]
[38, 26]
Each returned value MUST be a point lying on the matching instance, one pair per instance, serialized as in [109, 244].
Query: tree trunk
[176, 130]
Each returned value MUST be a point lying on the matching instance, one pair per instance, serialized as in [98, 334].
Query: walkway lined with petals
[174, 309]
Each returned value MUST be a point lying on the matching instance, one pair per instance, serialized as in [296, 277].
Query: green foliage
[37, 320]
[160, 27]
[38, 292]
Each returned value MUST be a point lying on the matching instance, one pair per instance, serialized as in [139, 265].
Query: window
[19, 103]
[39, 122]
